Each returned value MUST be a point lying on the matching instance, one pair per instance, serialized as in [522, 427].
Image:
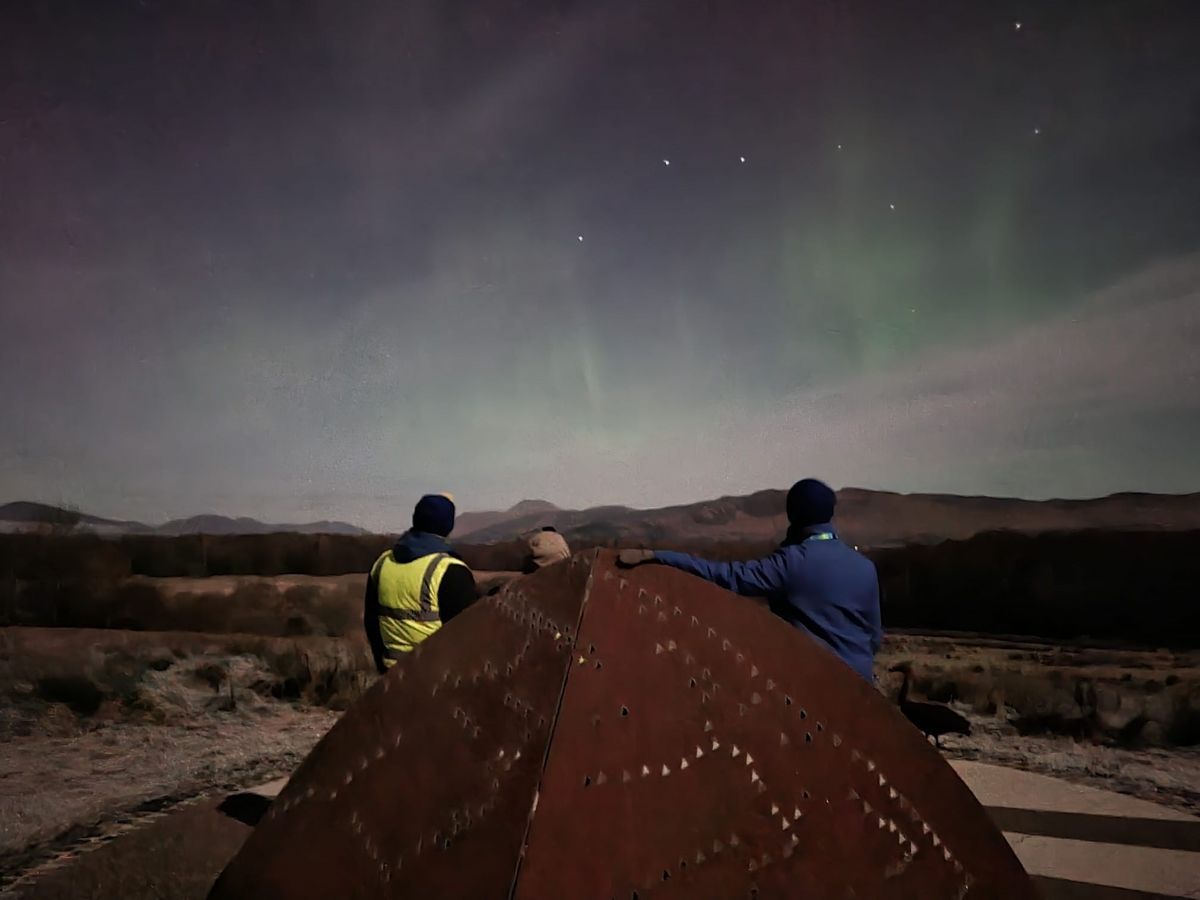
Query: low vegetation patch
[78, 692]
[104, 675]
[1113, 702]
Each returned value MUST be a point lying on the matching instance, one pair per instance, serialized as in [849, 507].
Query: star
[1016, 26]
[666, 162]
[741, 159]
[839, 146]
[1037, 131]
[580, 237]
[891, 206]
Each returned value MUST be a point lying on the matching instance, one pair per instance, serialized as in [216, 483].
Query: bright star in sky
[666, 162]
[1037, 131]
[581, 237]
[741, 159]
[1016, 26]
[891, 205]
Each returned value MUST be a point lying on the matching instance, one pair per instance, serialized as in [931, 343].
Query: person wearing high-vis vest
[417, 586]
[813, 581]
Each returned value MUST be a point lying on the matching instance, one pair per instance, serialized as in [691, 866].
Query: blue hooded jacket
[415, 544]
[815, 582]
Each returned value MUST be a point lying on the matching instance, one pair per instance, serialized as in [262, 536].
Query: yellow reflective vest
[408, 600]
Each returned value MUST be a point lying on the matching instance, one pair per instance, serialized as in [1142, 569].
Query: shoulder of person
[458, 564]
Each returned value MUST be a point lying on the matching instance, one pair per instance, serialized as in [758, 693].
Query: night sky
[304, 260]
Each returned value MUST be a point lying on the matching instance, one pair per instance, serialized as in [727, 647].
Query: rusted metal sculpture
[597, 732]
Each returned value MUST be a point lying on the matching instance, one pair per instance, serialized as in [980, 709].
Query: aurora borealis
[310, 260]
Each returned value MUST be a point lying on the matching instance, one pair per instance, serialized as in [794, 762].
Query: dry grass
[1132, 698]
[108, 675]
[58, 788]
[283, 606]
[97, 721]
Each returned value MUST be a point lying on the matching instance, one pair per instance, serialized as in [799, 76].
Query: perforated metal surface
[424, 788]
[704, 749]
[698, 746]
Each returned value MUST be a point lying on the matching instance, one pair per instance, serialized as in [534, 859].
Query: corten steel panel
[176, 856]
[705, 749]
[699, 747]
[424, 788]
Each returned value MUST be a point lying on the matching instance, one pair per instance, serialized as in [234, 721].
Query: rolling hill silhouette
[24, 515]
[871, 518]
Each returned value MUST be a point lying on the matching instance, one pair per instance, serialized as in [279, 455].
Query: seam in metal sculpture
[589, 732]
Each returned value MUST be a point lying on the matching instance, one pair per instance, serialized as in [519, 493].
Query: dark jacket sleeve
[371, 622]
[456, 592]
[758, 578]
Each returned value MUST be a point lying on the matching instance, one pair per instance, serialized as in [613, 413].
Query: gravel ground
[56, 790]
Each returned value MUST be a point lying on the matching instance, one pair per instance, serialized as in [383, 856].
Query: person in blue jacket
[813, 580]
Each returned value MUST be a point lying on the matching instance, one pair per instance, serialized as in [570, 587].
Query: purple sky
[310, 260]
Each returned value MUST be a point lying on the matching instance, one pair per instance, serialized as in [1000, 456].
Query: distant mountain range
[214, 524]
[26, 516]
[867, 518]
[525, 511]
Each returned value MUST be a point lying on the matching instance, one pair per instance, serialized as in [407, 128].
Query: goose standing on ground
[933, 719]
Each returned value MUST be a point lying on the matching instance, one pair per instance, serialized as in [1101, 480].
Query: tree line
[1137, 587]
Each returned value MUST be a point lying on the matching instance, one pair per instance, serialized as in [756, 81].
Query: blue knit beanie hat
[810, 502]
[434, 514]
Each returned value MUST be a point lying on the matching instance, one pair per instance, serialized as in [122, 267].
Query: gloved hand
[627, 559]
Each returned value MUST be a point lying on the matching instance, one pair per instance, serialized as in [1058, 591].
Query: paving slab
[1084, 842]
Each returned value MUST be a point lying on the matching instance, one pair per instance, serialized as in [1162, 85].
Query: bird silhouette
[934, 719]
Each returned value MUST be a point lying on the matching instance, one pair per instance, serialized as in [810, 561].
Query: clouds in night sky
[302, 261]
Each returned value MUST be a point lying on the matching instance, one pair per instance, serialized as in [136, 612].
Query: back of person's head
[810, 502]
[546, 548]
[434, 514]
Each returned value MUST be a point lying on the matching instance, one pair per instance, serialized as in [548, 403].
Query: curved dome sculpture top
[591, 732]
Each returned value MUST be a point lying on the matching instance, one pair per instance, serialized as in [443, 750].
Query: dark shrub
[137, 606]
[211, 674]
[287, 689]
[78, 692]
[1184, 727]
[298, 625]
[122, 677]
